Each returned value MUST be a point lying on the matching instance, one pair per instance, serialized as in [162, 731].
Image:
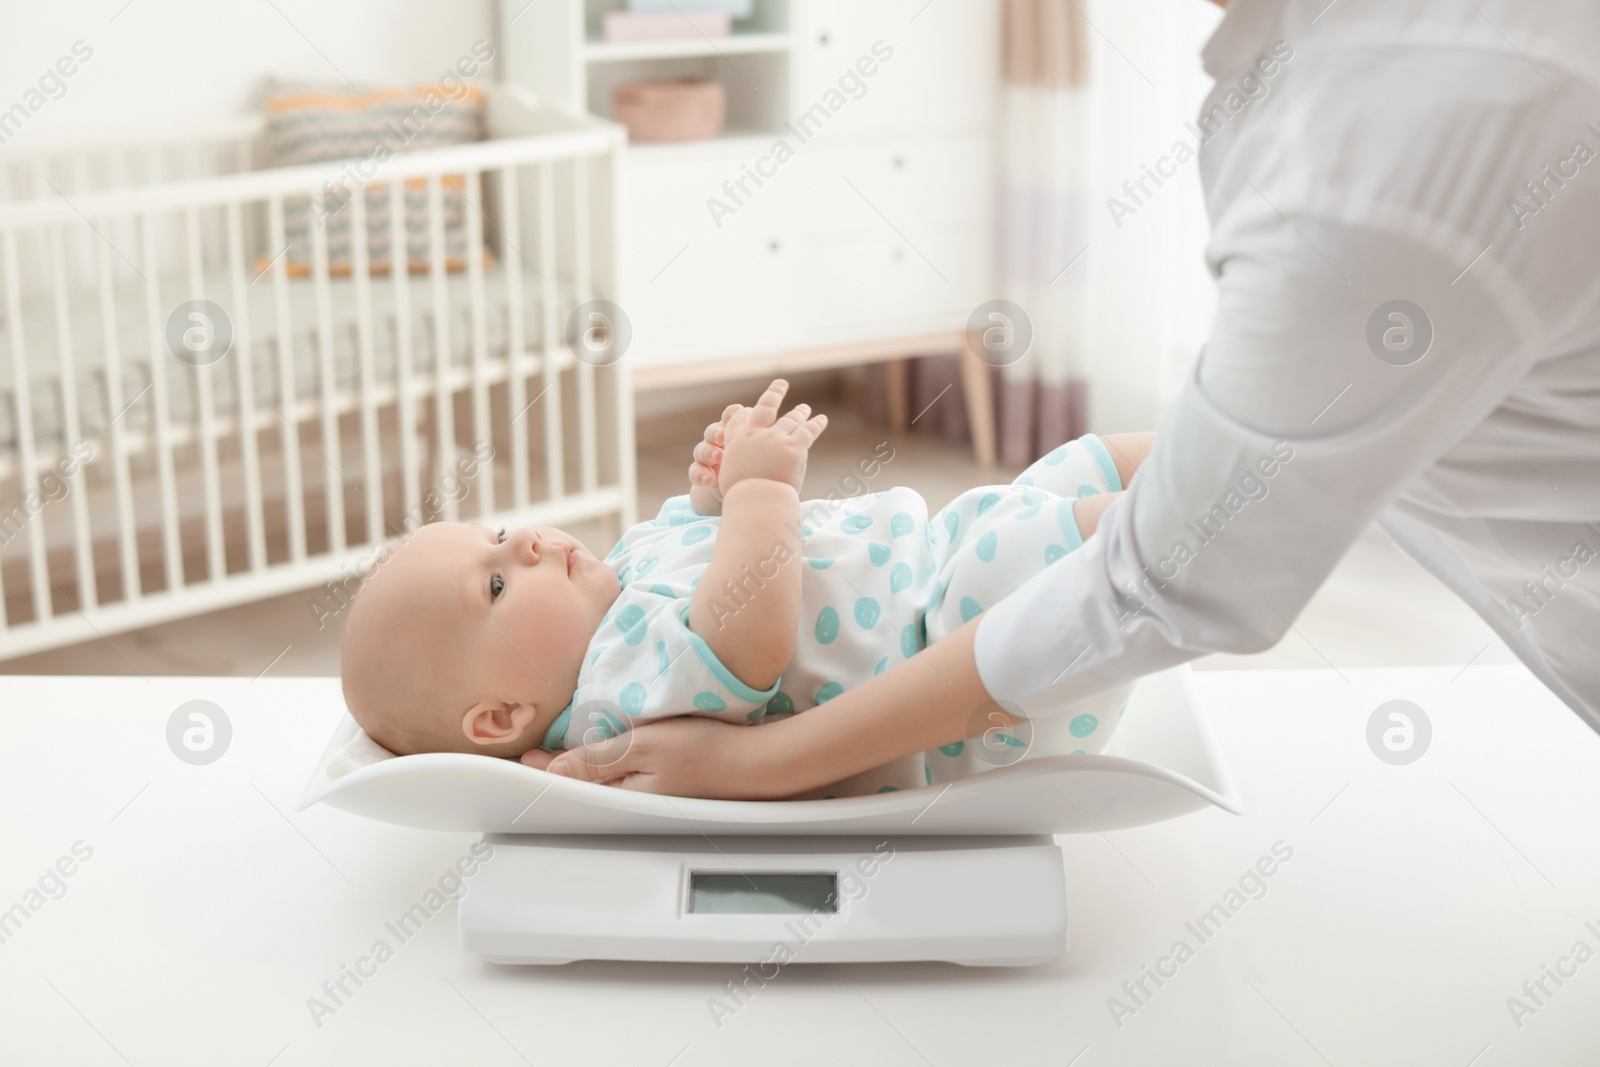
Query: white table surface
[1418, 900]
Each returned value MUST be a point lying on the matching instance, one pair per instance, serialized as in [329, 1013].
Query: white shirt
[1389, 157]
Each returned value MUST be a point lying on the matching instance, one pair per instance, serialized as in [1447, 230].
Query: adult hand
[691, 756]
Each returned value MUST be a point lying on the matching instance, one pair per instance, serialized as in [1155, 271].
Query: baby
[738, 601]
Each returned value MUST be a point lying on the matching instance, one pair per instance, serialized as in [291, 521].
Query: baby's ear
[494, 722]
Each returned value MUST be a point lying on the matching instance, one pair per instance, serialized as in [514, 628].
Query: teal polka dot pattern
[899, 578]
[632, 698]
[1023, 479]
[970, 609]
[856, 523]
[953, 749]
[888, 789]
[1053, 553]
[879, 554]
[629, 617]
[624, 574]
[909, 640]
[1087, 490]
[1032, 501]
[867, 613]
[987, 545]
[781, 703]
[987, 501]
[820, 564]
[707, 701]
[1083, 725]
[660, 589]
[805, 530]
[901, 525]
[696, 533]
[755, 713]
[927, 774]
[596, 653]
[1056, 456]
[662, 661]
[882, 665]
[828, 691]
[646, 566]
[827, 627]
[952, 524]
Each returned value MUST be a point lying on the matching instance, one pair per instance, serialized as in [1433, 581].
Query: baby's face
[514, 610]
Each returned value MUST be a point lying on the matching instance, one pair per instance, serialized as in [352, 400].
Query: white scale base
[555, 898]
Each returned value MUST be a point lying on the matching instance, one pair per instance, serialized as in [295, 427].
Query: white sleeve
[1290, 436]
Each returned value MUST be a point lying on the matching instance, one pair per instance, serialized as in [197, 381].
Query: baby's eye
[497, 585]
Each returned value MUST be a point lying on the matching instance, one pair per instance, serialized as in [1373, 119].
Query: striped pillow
[313, 124]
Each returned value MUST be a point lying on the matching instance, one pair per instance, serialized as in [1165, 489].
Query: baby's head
[467, 639]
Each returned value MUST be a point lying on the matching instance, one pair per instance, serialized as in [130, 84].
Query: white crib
[136, 487]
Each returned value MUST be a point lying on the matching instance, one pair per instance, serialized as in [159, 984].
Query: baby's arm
[747, 605]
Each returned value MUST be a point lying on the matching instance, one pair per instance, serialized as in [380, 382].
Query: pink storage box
[688, 110]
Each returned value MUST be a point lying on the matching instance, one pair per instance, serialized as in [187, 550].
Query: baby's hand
[704, 494]
[758, 443]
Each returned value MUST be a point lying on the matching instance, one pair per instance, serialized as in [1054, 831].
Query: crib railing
[140, 481]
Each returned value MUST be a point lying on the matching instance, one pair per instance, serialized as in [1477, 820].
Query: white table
[1418, 899]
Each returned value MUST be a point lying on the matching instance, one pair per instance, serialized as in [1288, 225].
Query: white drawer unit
[870, 286]
[940, 74]
[877, 185]
[697, 284]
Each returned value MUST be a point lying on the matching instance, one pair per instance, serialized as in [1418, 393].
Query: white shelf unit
[878, 222]
[738, 44]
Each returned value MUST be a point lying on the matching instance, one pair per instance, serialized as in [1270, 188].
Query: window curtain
[1044, 150]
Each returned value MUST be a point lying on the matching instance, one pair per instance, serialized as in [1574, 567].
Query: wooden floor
[1378, 609]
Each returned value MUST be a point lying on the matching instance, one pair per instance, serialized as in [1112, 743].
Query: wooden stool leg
[977, 384]
[897, 385]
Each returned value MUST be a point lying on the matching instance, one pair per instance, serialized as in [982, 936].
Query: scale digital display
[756, 892]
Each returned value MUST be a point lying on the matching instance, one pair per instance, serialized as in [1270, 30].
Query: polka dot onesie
[880, 580]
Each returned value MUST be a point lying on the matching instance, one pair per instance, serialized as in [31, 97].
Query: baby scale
[966, 872]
